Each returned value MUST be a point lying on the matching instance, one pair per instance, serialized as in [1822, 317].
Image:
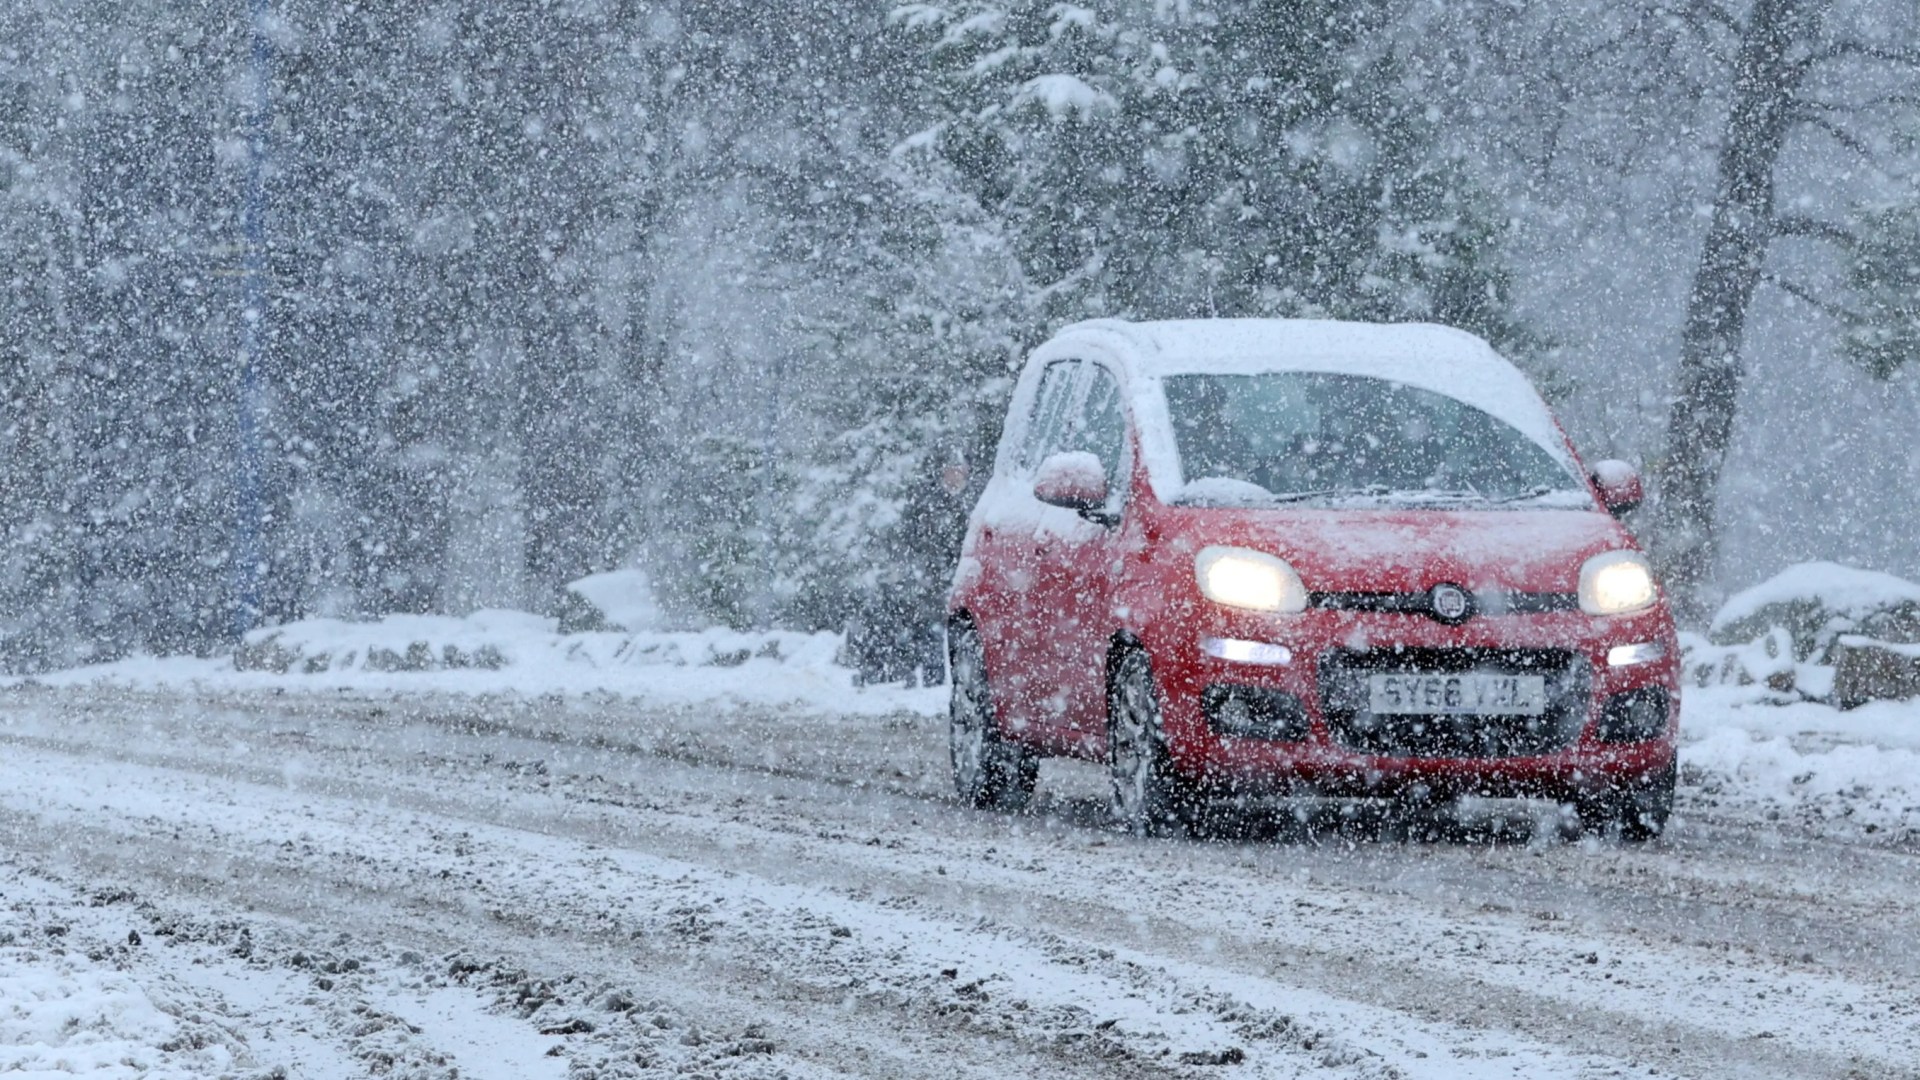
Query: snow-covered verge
[512, 652]
[1746, 752]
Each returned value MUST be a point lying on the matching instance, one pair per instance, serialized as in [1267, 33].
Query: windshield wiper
[1382, 491]
[1322, 493]
[1530, 493]
[1474, 494]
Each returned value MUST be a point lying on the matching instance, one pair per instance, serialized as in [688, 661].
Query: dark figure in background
[899, 632]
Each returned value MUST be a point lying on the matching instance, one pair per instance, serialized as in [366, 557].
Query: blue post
[769, 445]
[248, 559]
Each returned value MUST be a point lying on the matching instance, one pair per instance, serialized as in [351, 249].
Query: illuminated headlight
[1616, 583]
[1244, 578]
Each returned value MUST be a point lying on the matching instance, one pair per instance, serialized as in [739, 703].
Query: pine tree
[923, 339]
[1883, 332]
[1208, 158]
[39, 532]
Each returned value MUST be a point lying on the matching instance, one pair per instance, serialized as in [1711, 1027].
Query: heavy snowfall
[480, 485]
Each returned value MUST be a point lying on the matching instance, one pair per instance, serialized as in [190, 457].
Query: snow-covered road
[351, 883]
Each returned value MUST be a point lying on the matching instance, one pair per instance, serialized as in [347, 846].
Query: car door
[1008, 613]
[1070, 606]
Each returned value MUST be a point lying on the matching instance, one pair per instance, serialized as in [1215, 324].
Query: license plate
[1466, 694]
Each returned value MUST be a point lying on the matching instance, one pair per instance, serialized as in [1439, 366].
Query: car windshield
[1318, 437]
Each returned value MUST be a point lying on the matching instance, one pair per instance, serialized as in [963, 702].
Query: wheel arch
[961, 621]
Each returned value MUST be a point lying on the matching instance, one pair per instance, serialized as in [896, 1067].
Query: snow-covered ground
[683, 855]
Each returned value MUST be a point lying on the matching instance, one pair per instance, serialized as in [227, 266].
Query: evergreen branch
[1805, 295]
[1800, 225]
[1838, 134]
[1863, 51]
[1851, 108]
[1711, 12]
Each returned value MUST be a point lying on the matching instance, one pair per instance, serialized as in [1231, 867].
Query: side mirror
[1619, 485]
[1073, 480]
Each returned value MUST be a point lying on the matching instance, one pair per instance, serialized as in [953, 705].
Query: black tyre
[1638, 813]
[1149, 797]
[988, 770]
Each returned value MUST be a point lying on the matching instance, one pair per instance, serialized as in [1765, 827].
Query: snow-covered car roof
[1424, 355]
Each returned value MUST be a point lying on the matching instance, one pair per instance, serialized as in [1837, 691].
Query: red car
[1239, 558]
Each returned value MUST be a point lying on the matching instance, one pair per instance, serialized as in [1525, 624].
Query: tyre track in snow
[1772, 888]
[1718, 858]
[814, 1035]
[167, 834]
[170, 858]
[1315, 931]
[452, 905]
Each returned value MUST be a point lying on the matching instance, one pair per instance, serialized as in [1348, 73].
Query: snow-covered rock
[1815, 603]
[615, 600]
[1868, 670]
[1766, 661]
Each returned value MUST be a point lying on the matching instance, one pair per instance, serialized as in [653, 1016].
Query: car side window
[1051, 407]
[1092, 420]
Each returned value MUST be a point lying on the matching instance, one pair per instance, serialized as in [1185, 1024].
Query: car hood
[1412, 550]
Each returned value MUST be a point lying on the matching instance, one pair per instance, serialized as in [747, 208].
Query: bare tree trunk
[1700, 427]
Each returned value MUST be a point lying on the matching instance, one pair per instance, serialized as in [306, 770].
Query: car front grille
[1421, 603]
[1344, 703]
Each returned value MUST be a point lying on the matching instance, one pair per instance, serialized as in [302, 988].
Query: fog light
[1634, 716]
[1246, 652]
[1625, 655]
[1255, 712]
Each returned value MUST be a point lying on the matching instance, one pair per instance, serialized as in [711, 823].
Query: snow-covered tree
[924, 340]
[1207, 157]
[1883, 332]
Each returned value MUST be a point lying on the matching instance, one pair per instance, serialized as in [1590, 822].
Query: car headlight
[1244, 578]
[1617, 583]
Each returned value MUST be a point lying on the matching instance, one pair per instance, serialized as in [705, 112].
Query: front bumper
[1319, 740]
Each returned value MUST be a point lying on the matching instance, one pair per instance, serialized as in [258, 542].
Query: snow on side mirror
[1619, 485]
[1073, 480]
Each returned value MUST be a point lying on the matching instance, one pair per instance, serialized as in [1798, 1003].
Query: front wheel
[989, 771]
[1149, 797]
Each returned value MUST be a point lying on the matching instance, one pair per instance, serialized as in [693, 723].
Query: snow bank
[512, 652]
[1811, 772]
[1767, 660]
[494, 640]
[1758, 753]
[1754, 749]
